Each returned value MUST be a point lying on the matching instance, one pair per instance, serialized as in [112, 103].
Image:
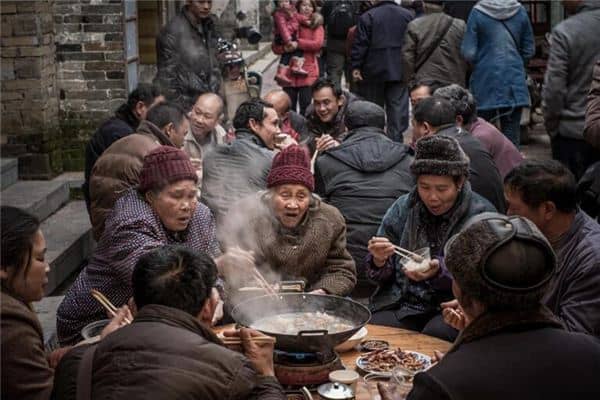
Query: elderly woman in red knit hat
[163, 210]
[291, 234]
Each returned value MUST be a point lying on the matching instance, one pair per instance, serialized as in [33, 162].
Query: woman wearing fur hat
[433, 211]
[289, 232]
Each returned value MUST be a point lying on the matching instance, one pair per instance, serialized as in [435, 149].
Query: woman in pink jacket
[310, 41]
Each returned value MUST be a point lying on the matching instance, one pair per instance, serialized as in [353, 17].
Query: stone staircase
[65, 224]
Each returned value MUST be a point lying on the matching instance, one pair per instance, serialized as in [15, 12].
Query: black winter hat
[361, 113]
[439, 155]
[505, 262]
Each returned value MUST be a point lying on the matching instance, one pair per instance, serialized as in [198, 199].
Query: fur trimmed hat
[165, 165]
[504, 262]
[291, 166]
[439, 155]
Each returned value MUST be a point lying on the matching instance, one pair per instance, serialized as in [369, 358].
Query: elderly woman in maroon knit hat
[163, 210]
[289, 232]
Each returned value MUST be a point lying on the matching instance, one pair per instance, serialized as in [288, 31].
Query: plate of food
[383, 362]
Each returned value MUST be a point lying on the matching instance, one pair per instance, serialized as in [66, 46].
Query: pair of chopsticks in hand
[407, 254]
[236, 340]
[262, 282]
[112, 310]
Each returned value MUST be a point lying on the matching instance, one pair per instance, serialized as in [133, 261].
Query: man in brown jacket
[119, 166]
[169, 350]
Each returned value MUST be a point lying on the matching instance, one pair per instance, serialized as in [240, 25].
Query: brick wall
[90, 65]
[29, 93]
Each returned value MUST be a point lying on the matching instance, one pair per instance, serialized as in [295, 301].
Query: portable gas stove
[294, 370]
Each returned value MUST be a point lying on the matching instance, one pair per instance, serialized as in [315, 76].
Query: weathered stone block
[115, 75]
[110, 28]
[6, 28]
[106, 84]
[88, 95]
[20, 84]
[71, 65]
[8, 70]
[75, 56]
[26, 25]
[8, 52]
[28, 67]
[101, 9]
[19, 41]
[35, 51]
[65, 75]
[114, 56]
[113, 36]
[11, 121]
[8, 96]
[90, 75]
[69, 28]
[102, 66]
[8, 8]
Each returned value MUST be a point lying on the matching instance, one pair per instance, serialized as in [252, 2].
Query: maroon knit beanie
[165, 165]
[291, 166]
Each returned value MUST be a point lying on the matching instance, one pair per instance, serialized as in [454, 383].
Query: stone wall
[29, 93]
[90, 65]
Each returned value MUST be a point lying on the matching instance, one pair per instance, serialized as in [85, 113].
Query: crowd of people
[314, 183]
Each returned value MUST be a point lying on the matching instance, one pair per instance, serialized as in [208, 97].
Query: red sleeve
[315, 43]
[282, 27]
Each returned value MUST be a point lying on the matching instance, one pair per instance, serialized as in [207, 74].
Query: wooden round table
[402, 338]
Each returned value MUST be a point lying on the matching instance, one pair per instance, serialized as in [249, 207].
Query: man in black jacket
[124, 122]
[376, 62]
[436, 116]
[185, 49]
[363, 176]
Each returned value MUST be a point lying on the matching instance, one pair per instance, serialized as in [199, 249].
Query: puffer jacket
[314, 251]
[444, 63]
[591, 132]
[166, 353]
[234, 171]
[26, 373]
[186, 60]
[336, 127]
[574, 50]
[118, 169]
[498, 79]
[362, 177]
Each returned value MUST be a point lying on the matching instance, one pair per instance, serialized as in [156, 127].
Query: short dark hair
[18, 229]
[165, 113]
[538, 181]
[434, 110]
[144, 92]
[432, 84]
[250, 109]
[462, 100]
[174, 276]
[313, 3]
[326, 83]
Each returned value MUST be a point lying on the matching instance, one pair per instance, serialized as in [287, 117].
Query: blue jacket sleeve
[360, 46]
[527, 44]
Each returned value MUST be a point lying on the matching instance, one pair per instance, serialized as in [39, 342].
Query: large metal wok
[305, 341]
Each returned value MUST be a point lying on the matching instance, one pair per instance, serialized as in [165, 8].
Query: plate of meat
[382, 362]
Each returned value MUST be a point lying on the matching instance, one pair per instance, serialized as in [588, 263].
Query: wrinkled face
[439, 193]
[516, 206]
[326, 105]
[175, 204]
[268, 128]
[290, 203]
[29, 283]
[418, 94]
[199, 9]
[306, 7]
[177, 132]
[205, 116]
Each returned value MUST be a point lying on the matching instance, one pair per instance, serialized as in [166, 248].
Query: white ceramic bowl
[353, 341]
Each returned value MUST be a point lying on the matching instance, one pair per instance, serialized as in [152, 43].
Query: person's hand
[236, 266]
[260, 354]
[418, 276]
[283, 140]
[218, 314]
[454, 315]
[325, 142]
[55, 357]
[197, 163]
[356, 75]
[437, 356]
[318, 291]
[288, 48]
[118, 321]
[389, 391]
[381, 249]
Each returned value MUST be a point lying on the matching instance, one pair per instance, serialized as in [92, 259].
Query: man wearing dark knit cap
[512, 346]
[290, 232]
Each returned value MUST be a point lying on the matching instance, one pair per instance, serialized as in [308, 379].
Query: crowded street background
[427, 166]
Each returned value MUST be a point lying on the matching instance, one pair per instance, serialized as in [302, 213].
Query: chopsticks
[262, 282]
[408, 254]
[312, 161]
[112, 310]
[232, 340]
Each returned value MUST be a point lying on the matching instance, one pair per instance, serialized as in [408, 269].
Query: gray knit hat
[504, 262]
[439, 155]
[361, 113]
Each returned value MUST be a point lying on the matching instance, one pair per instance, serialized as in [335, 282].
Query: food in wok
[292, 323]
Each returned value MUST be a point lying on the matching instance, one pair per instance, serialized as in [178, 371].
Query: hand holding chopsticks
[262, 282]
[407, 254]
[112, 310]
[257, 347]
[381, 249]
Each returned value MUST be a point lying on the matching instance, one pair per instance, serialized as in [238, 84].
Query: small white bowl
[352, 341]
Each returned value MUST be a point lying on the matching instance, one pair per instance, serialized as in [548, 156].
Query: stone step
[46, 312]
[41, 198]
[69, 241]
[73, 179]
[9, 169]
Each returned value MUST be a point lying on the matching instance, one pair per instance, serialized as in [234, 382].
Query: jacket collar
[124, 113]
[491, 323]
[248, 135]
[448, 130]
[148, 128]
[175, 317]
[567, 237]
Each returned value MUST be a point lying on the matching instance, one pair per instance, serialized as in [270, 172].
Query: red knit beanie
[165, 165]
[291, 165]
